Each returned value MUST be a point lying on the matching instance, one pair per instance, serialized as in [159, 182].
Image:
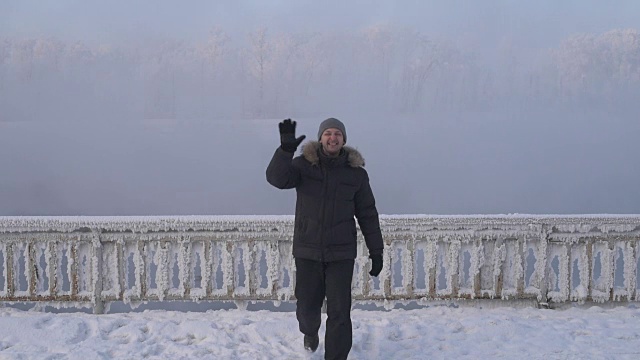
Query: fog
[152, 108]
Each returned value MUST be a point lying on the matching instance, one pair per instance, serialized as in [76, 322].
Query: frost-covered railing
[135, 259]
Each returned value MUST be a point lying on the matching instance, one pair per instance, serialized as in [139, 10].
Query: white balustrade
[135, 259]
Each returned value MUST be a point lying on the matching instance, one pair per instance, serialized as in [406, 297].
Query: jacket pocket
[346, 192]
[344, 233]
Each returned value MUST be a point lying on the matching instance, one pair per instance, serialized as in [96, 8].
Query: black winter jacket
[330, 192]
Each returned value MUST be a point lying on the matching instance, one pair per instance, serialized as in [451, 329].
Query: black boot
[311, 342]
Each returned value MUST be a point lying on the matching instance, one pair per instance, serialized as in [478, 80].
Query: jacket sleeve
[367, 215]
[281, 172]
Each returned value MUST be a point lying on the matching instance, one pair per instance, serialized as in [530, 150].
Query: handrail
[97, 260]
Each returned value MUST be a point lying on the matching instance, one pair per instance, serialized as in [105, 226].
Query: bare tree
[599, 67]
[211, 55]
[261, 54]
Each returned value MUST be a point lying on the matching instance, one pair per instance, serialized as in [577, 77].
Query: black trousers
[314, 281]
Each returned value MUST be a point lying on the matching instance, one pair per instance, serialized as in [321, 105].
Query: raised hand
[288, 140]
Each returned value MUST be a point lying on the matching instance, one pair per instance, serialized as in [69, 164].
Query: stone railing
[97, 260]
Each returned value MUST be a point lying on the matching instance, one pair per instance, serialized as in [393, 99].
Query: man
[332, 187]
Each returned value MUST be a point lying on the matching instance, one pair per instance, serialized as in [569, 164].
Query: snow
[564, 223]
[435, 332]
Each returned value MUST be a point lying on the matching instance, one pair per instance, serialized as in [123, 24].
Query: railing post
[206, 269]
[629, 276]
[33, 270]
[73, 255]
[250, 267]
[229, 269]
[184, 268]
[568, 269]
[612, 268]
[633, 290]
[8, 265]
[431, 261]
[453, 261]
[52, 268]
[479, 254]
[164, 270]
[273, 266]
[520, 280]
[409, 270]
[543, 252]
[96, 246]
[141, 268]
[121, 262]
[387, 273]
[499, 251]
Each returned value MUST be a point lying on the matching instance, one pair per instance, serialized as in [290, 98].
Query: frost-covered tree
[211, 55]
[260, 63]
[380, 41]
[420, 57]
[600, 67]
[162, 69]
[619, 52]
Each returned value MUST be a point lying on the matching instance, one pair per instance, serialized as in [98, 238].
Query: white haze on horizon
[108, 109]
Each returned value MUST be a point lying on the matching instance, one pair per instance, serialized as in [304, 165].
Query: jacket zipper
[325, 185]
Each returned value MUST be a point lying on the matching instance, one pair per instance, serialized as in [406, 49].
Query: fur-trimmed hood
[311, 148]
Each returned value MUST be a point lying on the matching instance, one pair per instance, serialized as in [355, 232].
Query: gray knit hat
[332, 123]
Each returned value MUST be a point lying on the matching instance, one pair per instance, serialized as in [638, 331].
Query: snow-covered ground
[436, 332]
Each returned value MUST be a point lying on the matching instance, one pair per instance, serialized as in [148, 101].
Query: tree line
[265, 74]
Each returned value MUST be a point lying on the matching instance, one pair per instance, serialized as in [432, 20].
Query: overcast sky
[116, 20]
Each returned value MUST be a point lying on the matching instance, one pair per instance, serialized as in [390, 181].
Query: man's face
[332, 141]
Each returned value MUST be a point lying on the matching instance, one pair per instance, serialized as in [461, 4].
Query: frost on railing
[97, 260]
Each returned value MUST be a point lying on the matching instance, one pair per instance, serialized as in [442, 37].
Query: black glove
[376, 265]
[288, 141]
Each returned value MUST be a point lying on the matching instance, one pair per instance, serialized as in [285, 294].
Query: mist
[152, 108]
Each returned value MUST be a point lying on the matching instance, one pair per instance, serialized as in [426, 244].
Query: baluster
[565, 272]
[184, 266]
[430, 265]
[542, 270]
[521, 267]
[121, 274]
[408, 268]
[453, 262]
[228, 268]
[249, 258]
[636, 258]
[273, 266]
[629, 271]
[98, 305]
[590, 280]
[52, 267]
[477, 261]
[610, 269]
[31, 270]
[385, 275]
[206, 268]
[141, 269]
[8, 265]
[162, 270]
[217, 256]
[74, 261]
[498, 259]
